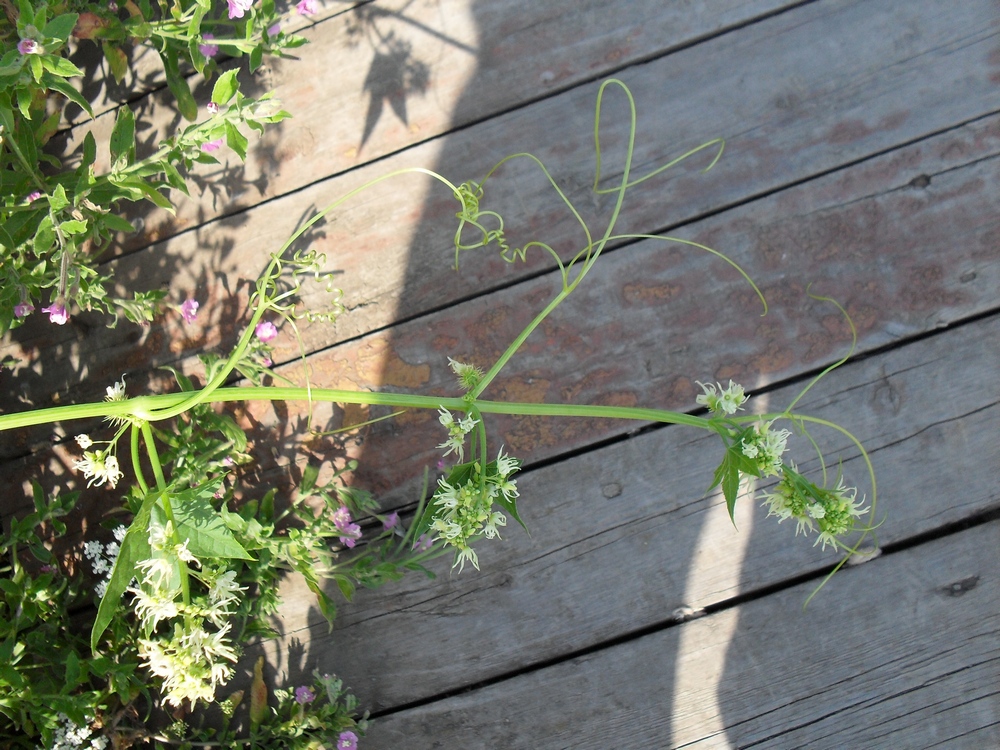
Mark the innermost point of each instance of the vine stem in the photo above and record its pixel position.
(168, 511)
(163, 406)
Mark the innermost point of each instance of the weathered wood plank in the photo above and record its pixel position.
(903, 260)
(770, 146)
(623, 536)
(888, 656)
(872, 238)
(389, 74)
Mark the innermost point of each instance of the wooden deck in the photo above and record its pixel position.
(862, 144)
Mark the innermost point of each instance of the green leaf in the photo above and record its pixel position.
(37, 69)
(73, 227)
(236, 141)
(58, 199)
(63, 87)
(123, 139)
(60, 27)
(345, 585)
(38, 496)
(182, 380)
(256, 57)
(24, 102)
(117, 223)
(89, 149)
(134, 549)
(309, 476)
(728, 474)
(45, 237)
(186, 104)
(117, 61)
(225, 88)
(60, 66)
(228, 427)
(197, 521)
(72, 671)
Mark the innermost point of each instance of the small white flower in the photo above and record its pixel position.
(505, 464)
(722, 401)
(116, 392)
(84, 441)
(99, 467)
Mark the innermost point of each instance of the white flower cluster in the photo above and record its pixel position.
(97, 466)
(457, 430)
(102, 558)
(721, 400)
(833, 511)
(765, 446)
(70, 736)
(192, 658)
(465, 511)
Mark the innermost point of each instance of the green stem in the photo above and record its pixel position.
(165, 405)
(168, 511)
(136, 465)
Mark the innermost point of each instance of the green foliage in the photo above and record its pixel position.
(55, 220)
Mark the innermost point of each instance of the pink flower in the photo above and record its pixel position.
(34, 196)
(213, 108)
(347, 741)
(29, 47)
(274, 30)
(351, 531)
(266, 331)
(424, 543)
(238, 7)
(267, 362)
(341, 517)
(24, 309)
(208, 49)
(307, 7)
(304, 695)
(57, 314)
(189, 310)
(390, 521)
(212, 145)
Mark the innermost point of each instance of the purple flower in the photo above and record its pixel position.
(57, 314)
(347, 741)
(189, 310)
(208, 49)
(266, 331)
(34, 196)
(350, 532)
(390, 521)
(304, 695)
(267, 362)
(213, 145)
(307, 7)
(24, 309)
(113, 6)
(341, 517)
(424, 543)
(29, 47)
(213, 108)
(238, 7)
(274, 30)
